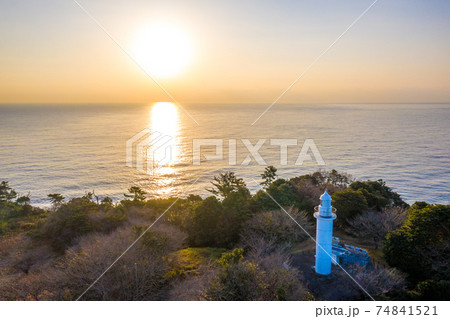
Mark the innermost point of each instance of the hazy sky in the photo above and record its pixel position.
(244, 51)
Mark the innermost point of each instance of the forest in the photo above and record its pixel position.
(232, 245)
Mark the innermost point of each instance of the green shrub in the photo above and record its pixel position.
(377, 194)
(189, 260)
(280, 192)
(232, 257)
(217, 224)
(76, 218)
(420, 246)
(432, 290)
(204, 224)
(349, 204)
(68, 222)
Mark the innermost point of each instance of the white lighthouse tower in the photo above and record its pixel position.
(324, 234)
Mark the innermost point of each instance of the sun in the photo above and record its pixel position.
(162, 50)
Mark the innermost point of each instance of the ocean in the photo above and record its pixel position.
(72, 149)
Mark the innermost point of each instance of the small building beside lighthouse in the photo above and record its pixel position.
(324, 234)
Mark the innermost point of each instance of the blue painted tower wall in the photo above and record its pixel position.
(324, 235)
(323, 245)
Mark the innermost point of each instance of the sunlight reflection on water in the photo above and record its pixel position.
(164, 152)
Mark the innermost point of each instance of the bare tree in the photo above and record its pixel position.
(377, 279)
(44, 285)
(265, 274)
(374, 225)
(140, 274)
(277, 227)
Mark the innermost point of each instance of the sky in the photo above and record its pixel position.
(242, 51)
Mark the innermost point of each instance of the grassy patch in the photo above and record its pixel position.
(189, 260)
(376, 255)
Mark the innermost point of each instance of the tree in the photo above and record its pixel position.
(140, 274)
(56, 199)
(204, 229)
(331, 180)
(23, 200)
(310, 187)
(69, 221)
(226, 184)
(349, 204)
(266, 277)
(107, 201)
(280, 192)
(269, 175)
(375, 279)
(309, 194)
(238, 202)
(217, 224)
(377, 194)
(340, 180)
(6, 193)
(136, 193)
(194, 198)
(375, 225)
(277, 227)
(421, 246)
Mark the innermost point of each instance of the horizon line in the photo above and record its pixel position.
(219, 102)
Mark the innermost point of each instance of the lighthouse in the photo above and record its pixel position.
(325, 215)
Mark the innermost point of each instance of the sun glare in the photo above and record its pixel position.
(164, 123)
(163, 50)
(164, 116)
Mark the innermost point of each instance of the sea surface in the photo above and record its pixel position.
(73, 149)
